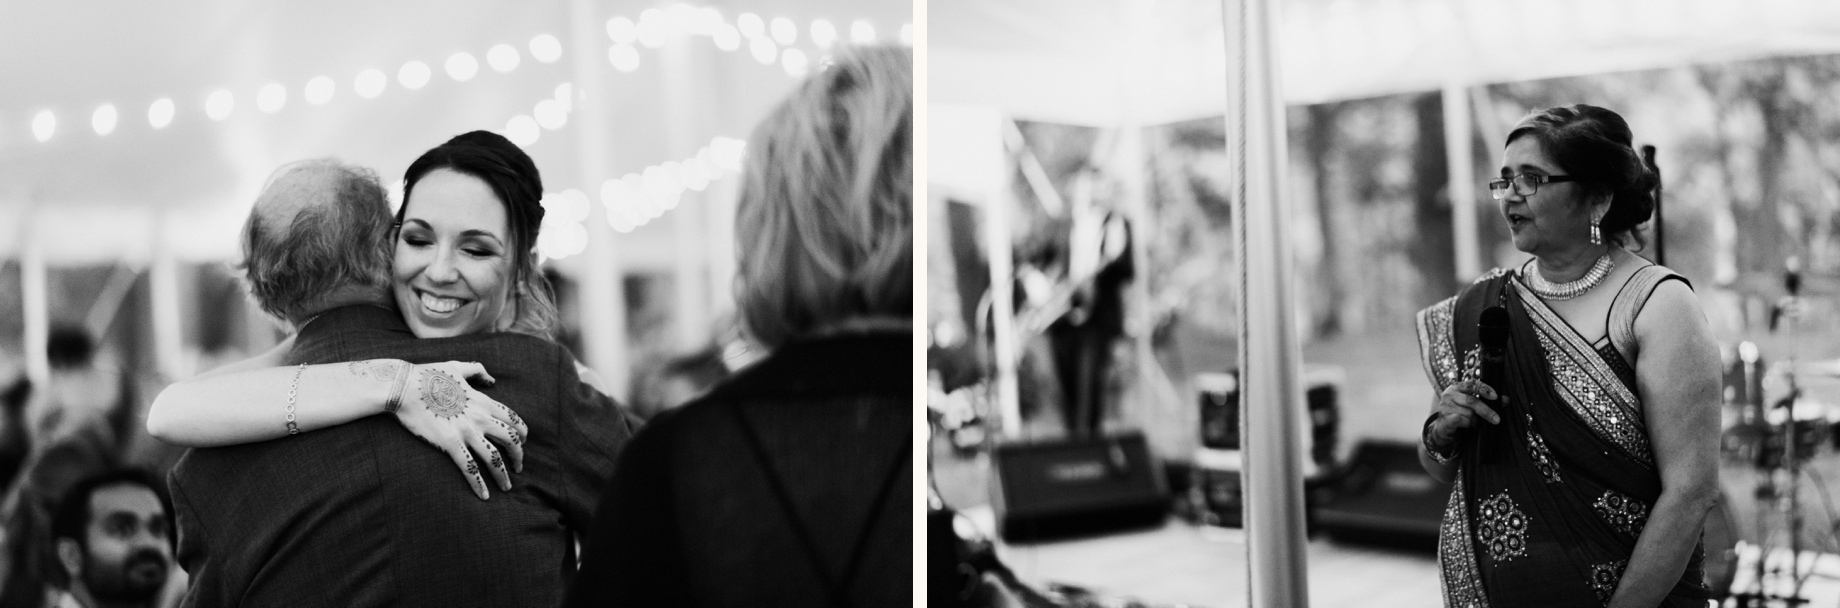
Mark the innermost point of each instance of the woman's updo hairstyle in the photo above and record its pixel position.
(1595, 145)
(513, 176)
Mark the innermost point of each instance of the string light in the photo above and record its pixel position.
(622, 30)
(766, 44)
(625, 57)
(750, 25)
(616, 198)
(414, 75)
(764, 50)
(160, 113)
(320, 89)
(795, 62)
(44, 125)
(653, 28)
(370, 83)
(103, 120)
(220, 104)
(784, 31)
(462, 66)
(565, 94)
(503, 58)
(823, 33)
(632, 200)
(550, 115)
(523, 130)
(727, 37)
(271, 98)
(545, 48)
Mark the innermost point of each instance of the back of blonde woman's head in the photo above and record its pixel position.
(824, 225)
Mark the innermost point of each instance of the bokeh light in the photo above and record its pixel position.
(624, 57)
(414, 75)
(160, 113)
(319, 90)
(271, 98)
(545, 48)
(370, 83)
(503, 58)
(220, 104)
(462, 66)
(103, 119)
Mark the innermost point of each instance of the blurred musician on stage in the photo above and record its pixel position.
(1099, 267)
(1588, 481)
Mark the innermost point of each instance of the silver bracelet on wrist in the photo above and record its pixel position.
(1444, 455)
(402, 380)
(293, 389)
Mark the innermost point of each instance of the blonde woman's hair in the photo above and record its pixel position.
(824, 224)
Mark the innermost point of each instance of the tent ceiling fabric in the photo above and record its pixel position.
(71, 56)
(1104, 62)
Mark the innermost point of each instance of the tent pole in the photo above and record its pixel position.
(1002, 296)
(1270, 359)
(1460, 161)
(163, 293)
(603, 293)
(683, 67)
(34, 291)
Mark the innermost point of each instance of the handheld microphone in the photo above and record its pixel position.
(1493, 331)
(1793, 279)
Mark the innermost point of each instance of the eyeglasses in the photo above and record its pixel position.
(1524, 184)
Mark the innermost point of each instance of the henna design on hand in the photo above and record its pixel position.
(516, 439)
(443, 395)
(472, 469)
(382, 370)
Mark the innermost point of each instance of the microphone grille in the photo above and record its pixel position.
(1494, 327)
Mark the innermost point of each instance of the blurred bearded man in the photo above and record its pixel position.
(113, 538)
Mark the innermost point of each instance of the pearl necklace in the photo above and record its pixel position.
(1572, 289)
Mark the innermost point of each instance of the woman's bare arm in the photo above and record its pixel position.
(247, 403)
(1677, 377)
(273, 357)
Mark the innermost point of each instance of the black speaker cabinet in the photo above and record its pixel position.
(1072, 487)
(1385, 496)
(1220, 416)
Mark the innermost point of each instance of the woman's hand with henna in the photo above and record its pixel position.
(1459, 407)
(439, 406)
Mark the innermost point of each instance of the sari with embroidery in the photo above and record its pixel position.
(1547, 505)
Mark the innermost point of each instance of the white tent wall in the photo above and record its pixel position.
(140, 195)
(1083, 62)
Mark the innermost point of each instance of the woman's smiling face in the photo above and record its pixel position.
(452, 271)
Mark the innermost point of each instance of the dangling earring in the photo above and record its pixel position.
(1596, 238)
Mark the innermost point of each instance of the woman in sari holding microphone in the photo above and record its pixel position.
(1584, 476)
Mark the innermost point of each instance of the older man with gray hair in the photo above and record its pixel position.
(361, 513)
(318, 238)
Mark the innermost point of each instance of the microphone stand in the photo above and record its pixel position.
(1767, 486)
(1648, 158)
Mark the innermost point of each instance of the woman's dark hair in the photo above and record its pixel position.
(1595, 145)
(513, 177)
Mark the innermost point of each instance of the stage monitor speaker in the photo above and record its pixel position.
(1220, 416)
(1385, 496)
(1079, 486)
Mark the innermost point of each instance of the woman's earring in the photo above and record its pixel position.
(1596, 238)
